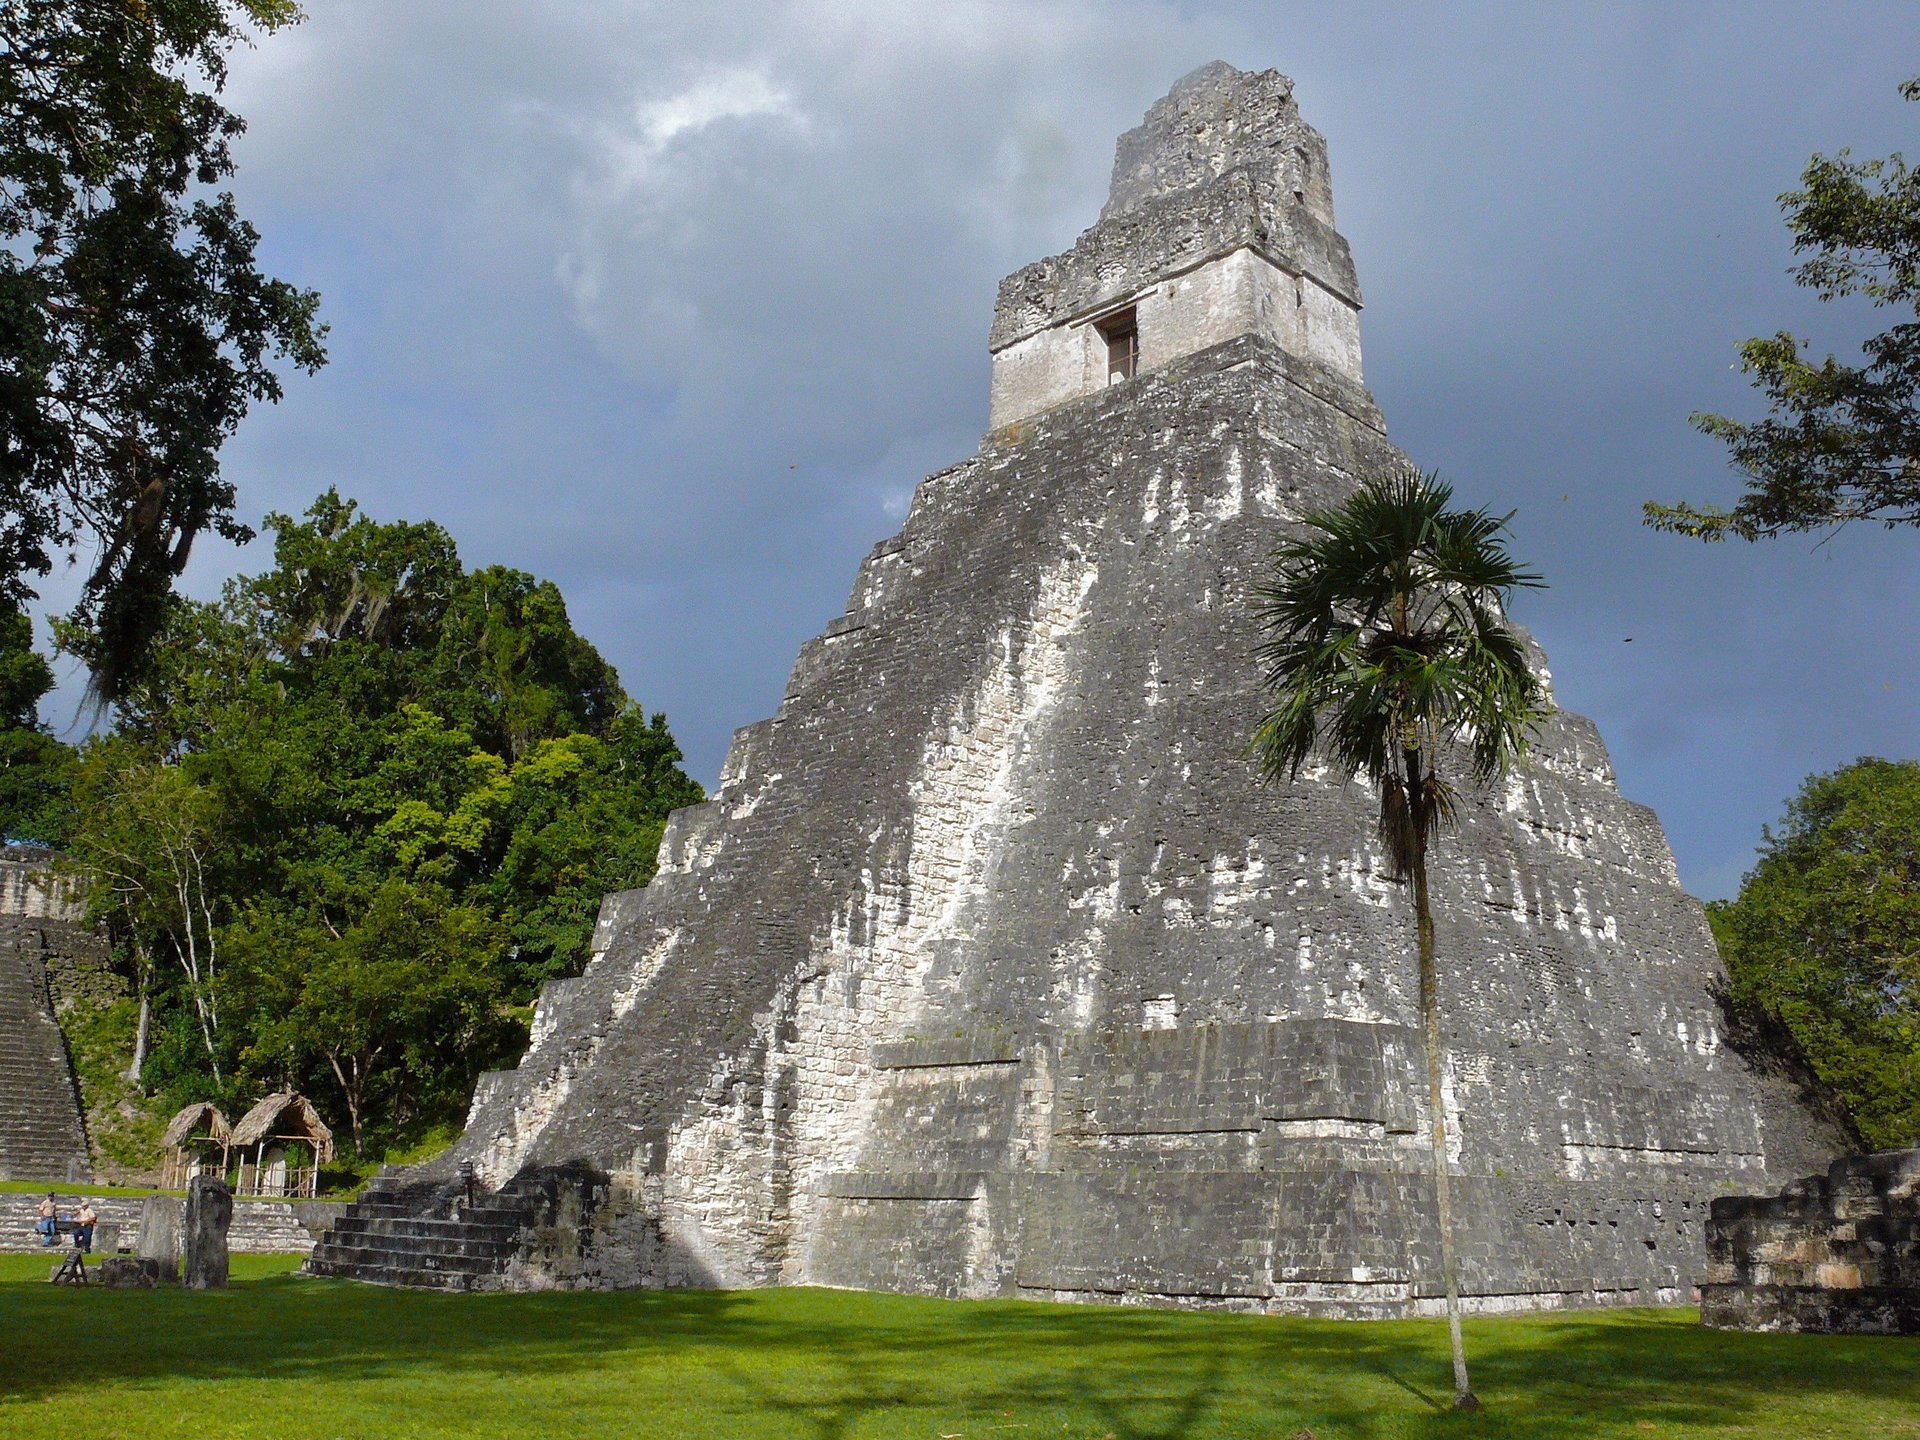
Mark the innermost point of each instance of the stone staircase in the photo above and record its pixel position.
(42, 1134)
(428, 1236)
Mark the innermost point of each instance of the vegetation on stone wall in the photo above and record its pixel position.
(349, 819)
(1824, 940)
(123, 1121)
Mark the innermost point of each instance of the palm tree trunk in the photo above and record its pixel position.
(1463, 1396)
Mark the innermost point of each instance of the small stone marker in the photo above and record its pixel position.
(106, 1238)
(203, 1234)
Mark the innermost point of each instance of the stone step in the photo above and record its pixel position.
(408, 1259)
(402, 1278)
(400, 1233)
(42, 1132)
(479, 1215)
(348, 1236)
(405, 1226)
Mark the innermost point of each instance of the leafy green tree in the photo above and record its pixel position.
(370, 963)
(1387, 654)
(135, 328)
(1824, 940)
(584, 818)
(395, 995)
(366, 733)
(382, 614)
(514, 668)
(339, 576)
(147, 839)
(35, 768)
(1841, 442)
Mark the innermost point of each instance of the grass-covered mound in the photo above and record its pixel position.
(282, 1357)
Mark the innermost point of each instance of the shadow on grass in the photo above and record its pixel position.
(830, 1364)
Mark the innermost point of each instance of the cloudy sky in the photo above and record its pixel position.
(674, 303)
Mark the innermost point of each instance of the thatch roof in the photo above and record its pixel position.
(181, 1128)
(283, 1115)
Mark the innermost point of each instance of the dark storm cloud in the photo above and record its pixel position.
(675, 303)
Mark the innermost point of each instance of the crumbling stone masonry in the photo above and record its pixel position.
(991, 970)
(1837, 1252)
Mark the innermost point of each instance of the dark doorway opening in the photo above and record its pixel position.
(1121, 331)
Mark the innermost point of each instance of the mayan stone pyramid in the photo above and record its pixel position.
(991, 970)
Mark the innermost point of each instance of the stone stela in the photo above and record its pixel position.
(991, 970)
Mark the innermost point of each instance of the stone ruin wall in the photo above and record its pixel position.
(990, 970)
(45, 912)
(1836, 1252)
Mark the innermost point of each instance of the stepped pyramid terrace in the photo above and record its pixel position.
(991, 970)
(46, 949)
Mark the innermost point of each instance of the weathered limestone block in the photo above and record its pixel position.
(203, 1237)
(1839, 1251)
(991, 969)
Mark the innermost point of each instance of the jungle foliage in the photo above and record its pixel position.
(353, 814)
(35, 768)
(1824, 940)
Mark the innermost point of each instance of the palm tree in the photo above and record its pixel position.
(1386, 651)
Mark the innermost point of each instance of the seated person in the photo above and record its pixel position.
(47, 1226)
(84, 1219)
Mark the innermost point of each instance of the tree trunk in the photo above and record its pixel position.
(1463, 1396)
(143, 1027)
(350, 1092)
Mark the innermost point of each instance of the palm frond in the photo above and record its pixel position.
(1385, 644)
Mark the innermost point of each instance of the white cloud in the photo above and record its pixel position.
(736, 93)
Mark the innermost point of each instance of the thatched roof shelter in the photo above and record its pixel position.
(186, 1125)
(195, 1140)
(284, 1116)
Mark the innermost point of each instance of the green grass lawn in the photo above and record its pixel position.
(66, 1191)
(290, 1358)
(62, 1187)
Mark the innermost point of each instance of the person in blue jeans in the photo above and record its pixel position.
(48, 1225)
(84, 1219)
